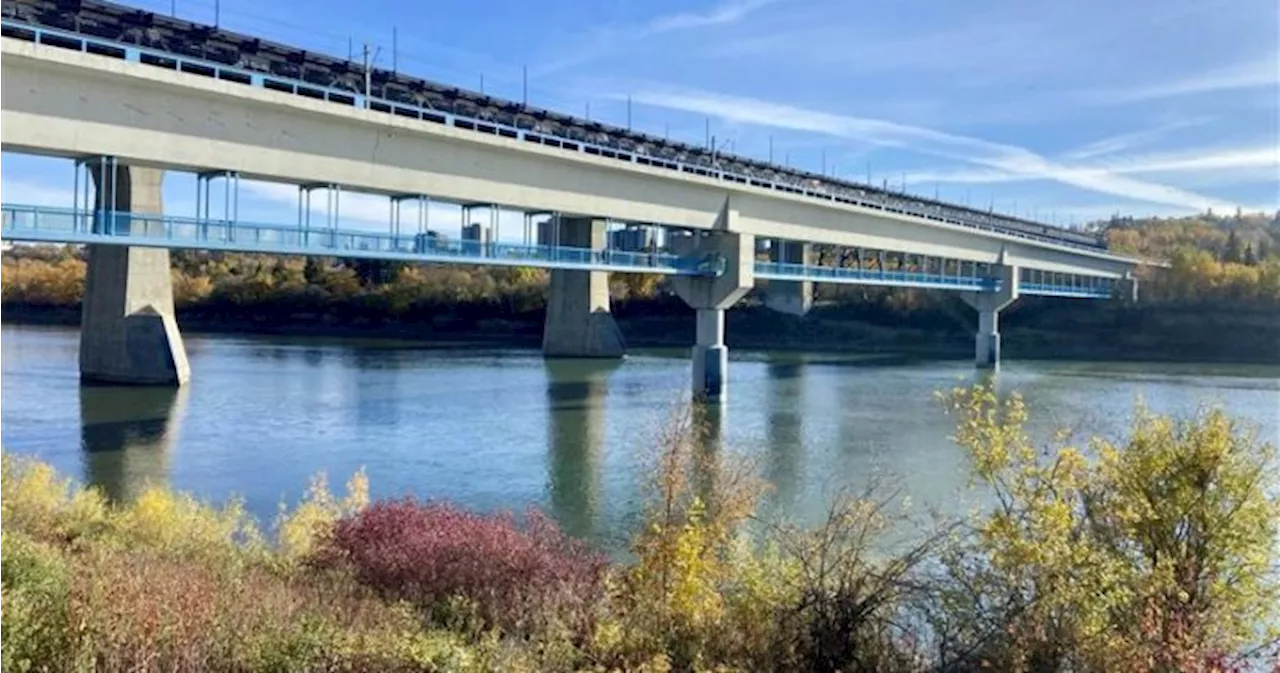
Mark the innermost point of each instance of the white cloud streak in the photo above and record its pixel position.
(1251, 162)
(1259, 74)
(606, 39)
(998, 157)
(1124, 141)
(721, 14)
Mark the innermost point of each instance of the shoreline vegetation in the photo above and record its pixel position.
(1157, 551)
(1219, 301)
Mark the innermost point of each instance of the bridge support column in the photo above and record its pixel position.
(709, 296)
(1127, 288)
(791, 297)
(578, 322)
(989, 303)
(128, 333)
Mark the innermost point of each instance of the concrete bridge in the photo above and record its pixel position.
(126, 113)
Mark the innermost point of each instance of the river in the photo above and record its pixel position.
(502, 429)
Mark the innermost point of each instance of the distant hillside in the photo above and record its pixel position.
(1220, 260)
(1239, 238)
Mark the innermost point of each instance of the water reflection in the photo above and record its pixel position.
(576, 392)
(785, 441)
(127, 435)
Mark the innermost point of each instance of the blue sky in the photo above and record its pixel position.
(1063, 111)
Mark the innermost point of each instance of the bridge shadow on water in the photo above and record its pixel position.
(576, 394)
(127, 435)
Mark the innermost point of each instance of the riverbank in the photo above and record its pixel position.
(1038, 329)
(163, 582)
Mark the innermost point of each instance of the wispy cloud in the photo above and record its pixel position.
(1251, 161)
(1125, 141)
(1002, 158)
(610, 38)
(1255, 74)
(723, 13)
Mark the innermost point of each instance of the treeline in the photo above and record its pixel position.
(1229, 262)
(1153, 553)
(1233, 260)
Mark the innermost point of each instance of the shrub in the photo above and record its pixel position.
(1157, 553)
(298, 532)
(34, 500)
(34, 589)
(520, 578)
(672, 601)
(166, 522)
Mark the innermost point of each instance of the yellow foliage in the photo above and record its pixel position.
(177, 524)
(34, 499)
(1158, 549)
(298, 531)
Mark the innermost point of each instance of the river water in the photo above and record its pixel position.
(502, 429)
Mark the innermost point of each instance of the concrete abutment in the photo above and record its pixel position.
(790, 297)
(578, 321)
(128, 332)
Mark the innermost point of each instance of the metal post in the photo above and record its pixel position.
(395, 51)
(524, 85)
(75, 196)
(368, 77)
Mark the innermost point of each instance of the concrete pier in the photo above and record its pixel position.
(578, 322)
(709, 296)
(128, 333)
(790, 297)
(986, 352)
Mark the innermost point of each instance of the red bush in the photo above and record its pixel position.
(519, 577)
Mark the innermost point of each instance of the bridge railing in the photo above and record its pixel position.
(1047, 284)
(68, 225)
(812, 272)
(868, 198)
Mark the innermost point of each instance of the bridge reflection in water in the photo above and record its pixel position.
(127, 435)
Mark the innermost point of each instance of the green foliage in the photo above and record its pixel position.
(33, 607)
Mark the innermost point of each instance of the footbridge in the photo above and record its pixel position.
(220, 105)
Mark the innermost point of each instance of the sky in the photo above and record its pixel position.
(1063, 112)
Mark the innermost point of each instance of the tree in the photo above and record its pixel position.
(374, 271)
(313, 271)
(1233, 251)
(1250, 257)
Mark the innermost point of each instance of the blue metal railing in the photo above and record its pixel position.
(223, 72)
(77, 226)
(68, 225)
(834, 274)
(1100, 290)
